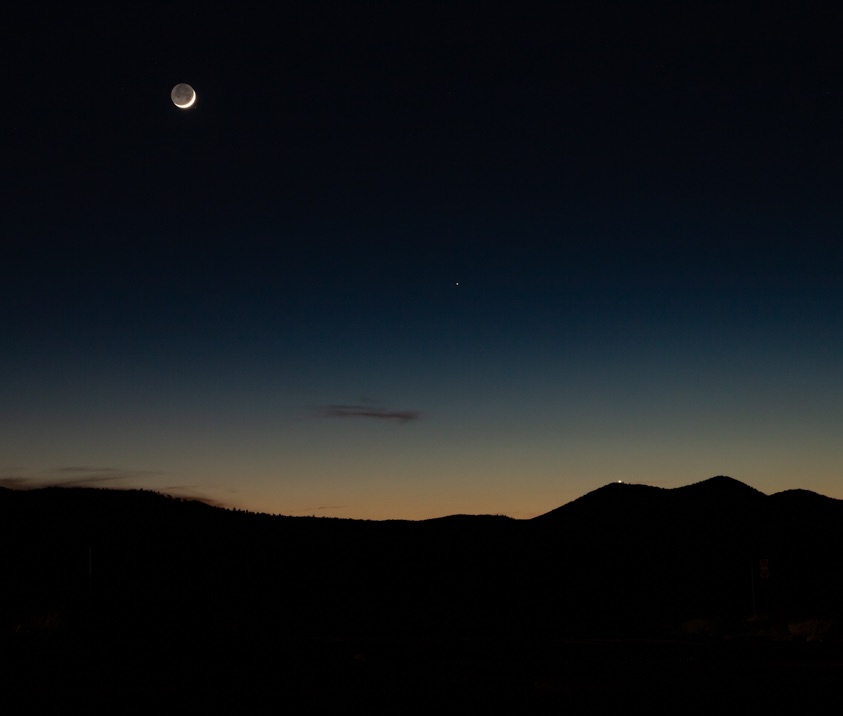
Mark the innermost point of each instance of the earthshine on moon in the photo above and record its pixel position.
(183, 96)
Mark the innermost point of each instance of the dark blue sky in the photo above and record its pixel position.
(416, 261)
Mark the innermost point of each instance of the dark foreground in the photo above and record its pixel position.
(226, 672)
(708, 597)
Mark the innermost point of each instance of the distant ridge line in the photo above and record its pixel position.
(617, 495)
(629, 495)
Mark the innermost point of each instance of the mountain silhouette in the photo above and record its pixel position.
(94, 571)
(618, 498)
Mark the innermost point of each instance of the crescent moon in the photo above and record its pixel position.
(183, 96)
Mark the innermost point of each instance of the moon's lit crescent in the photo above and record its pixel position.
(183, 95)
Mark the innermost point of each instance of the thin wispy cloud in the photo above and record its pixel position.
(369, 411)
(75, 476)
(84, 476)
(89, 476)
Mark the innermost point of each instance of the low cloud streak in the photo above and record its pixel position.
(368, 411)
(74, 476)
(100, 477)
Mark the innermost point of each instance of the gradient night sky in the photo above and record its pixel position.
(402, 264)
